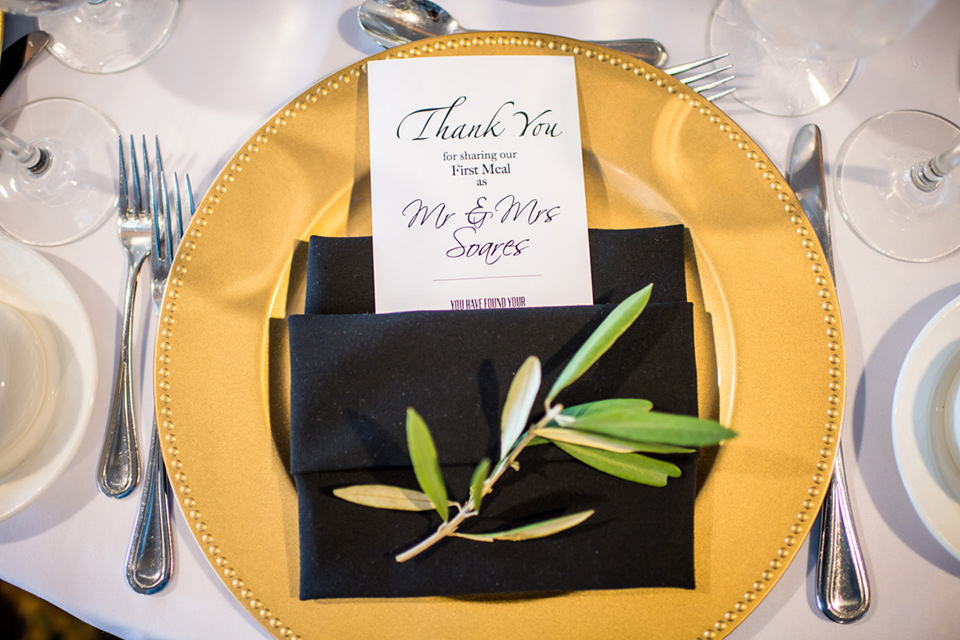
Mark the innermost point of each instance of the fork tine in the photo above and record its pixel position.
(190, 203)
(164, 200)
(705, 74)
(714, 85)
(177, 202)
(683, 68)
(135, 177)
(124, 200)
(156, 141)
(164, 206)
(164, 196)
(155, 252)
(147, 173)
(721, 94)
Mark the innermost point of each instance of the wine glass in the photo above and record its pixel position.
(101, 36)
(893, 187)
(794, 57)
(56, 175)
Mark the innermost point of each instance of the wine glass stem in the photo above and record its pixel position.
(926, 176)
(34, 159)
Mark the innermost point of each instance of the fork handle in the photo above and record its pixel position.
(150, 557)
(119, 468)
(650, 51)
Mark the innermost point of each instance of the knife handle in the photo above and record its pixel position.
(843, 593)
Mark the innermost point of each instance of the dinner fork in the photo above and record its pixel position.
(150, 556)
(678, 70)
(119, 467)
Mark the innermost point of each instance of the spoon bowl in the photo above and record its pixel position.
(394, 22)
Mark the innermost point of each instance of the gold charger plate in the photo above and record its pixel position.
(769, 349)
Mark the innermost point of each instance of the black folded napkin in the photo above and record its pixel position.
(340, 270)
(353, 373)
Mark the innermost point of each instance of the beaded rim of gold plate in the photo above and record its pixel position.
(806, 243)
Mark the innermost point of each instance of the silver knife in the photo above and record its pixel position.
(843, 593)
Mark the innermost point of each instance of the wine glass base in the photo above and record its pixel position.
(877, 197)
(770, 79)
(78, 192)
(112, 36)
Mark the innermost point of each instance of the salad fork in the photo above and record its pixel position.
(119, 466)
(678, 70)
(150, 556)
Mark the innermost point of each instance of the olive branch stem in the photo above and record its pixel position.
(471, 507)
(611, 436)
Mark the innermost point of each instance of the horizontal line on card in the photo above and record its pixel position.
(532, 275)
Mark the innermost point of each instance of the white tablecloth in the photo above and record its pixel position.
(231, 63)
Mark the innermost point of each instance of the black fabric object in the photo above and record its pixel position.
(340, 270)
(353, 373)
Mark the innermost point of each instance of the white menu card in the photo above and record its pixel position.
(477, 184)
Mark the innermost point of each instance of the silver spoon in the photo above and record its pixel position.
(394, 22)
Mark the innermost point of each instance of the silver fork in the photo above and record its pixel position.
(680, 69)
(150, 556)
(119, 468)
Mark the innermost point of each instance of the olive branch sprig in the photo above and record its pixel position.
(611, 436)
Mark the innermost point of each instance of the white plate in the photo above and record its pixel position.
(33, 286)
(920, 435)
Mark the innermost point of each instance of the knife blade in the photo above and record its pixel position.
(19, 55)
(843, 591)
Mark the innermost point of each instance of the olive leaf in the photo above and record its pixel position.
(600, 340)
(531, 531)
(605, 443)
(384, 496)
(592, 440)
(520, 398)
(653, 427)
(633, 404)
(426, 466)
(476, 482)
(634, 467)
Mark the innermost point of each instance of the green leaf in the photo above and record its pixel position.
(634, 467)
(476, 482)
(654, 427)
(531, 531)
(520, 399)
(633, 404)
(384, 496)
(600, 340)
(592, 440)
(605, 443)
(656, 447)
(426, 466)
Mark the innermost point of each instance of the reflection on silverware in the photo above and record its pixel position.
(843, 592)
(393, 22)
(150, 557)
(119, 469)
